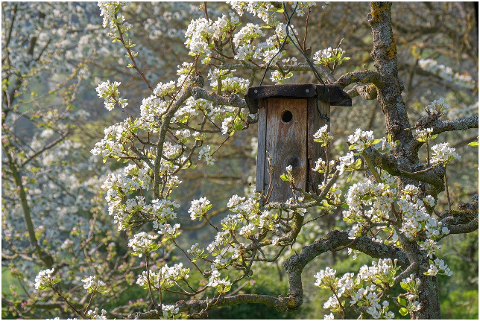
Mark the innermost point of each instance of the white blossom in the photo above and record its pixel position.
(44, 279)
(443, 153)
(142, 243)
(199, 208)
(92, 284)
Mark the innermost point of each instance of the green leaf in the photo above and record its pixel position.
(358, 163)
(349, 178)
(403, 311)
(402, 301)
(376, 141)
(280, 10)
(284, 178)
(404, 286)
(474, 144)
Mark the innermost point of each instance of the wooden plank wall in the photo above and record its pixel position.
(286, 143)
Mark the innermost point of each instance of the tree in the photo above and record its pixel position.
(51, 202)
(390, 211)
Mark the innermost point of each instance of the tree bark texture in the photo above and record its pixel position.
(389, 96)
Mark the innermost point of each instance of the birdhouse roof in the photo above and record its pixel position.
(327, 93)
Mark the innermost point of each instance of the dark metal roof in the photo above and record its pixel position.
(327, 93)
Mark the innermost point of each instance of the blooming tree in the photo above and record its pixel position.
(389, 212)
(51, 200)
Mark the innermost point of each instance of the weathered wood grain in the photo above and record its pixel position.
(261, 159)
(286, 143)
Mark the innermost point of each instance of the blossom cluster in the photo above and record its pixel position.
(205, 154)
(262, 10)
(199, 208)
(443, 154)
(109, 91)
(409, 302)
(165, 278)
(143, 243)
(112, 18)
(438, 107)
(92, 284)
(329, 56)
(323, 136)
(45, 279)
(94, 315)
(321, 166)
(349, 286)
(415, 218)
(438, 267)
(348, 163)
(424, 135)
(201, 32)
(361, 140)
(221, 285)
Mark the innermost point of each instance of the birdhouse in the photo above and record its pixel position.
(288, 116)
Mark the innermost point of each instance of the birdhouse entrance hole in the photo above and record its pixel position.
(288, 116)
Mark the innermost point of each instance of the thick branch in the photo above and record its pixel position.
(231, 100)
(363, 76)
(390, 164)
(294, 267)
(384, 54)
(334, 240)
(163, 132)
(367, 92)
(44, 256)
(201, 306)
(464, 219)
(441, 126)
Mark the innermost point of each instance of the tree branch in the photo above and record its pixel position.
(231, 100)
(46, 147)
(367, 92)
(363, 76)
(463, 220)
(393, 167)
(441, 126)
(294, 267)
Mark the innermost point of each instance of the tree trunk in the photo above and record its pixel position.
(384, 54)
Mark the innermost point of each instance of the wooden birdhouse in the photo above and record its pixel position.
(288, 116)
